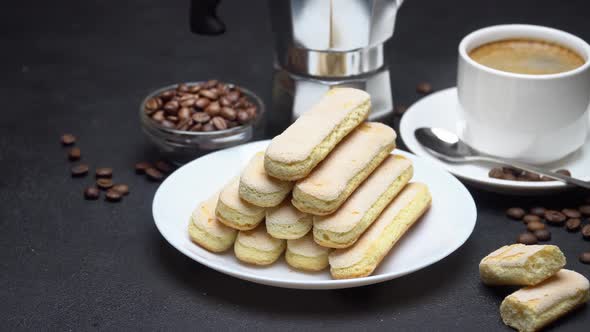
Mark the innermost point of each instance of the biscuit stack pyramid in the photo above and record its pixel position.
(328, 190)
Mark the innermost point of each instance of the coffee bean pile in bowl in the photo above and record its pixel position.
(189, 119)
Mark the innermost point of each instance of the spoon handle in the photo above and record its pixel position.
(538, 170)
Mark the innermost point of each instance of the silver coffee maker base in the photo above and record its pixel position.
(297, 94)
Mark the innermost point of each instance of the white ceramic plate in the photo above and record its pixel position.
(440, 110)
(442, 230)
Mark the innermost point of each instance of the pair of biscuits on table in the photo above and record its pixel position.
(549, 293)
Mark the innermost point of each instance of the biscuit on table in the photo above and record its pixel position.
(361, 259)
(258, 188)
(342, 228)
(521, 265)
(235, 212)
(286, 222)
(349, 164)
(305, 254)
(530, 308)
(257, 247)
(294, 153)
(205, 230)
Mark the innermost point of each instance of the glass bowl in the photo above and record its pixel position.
(181, 146)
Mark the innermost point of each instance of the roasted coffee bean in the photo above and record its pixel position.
(164, 166)
(509, 177)
(586, 232)
(104, 172)
(208, 127)
(121, 188)
(184, 124)
(68, 139)
(113, 195)
(225, 102)
(190, 102)
(152, 104)
(219, 123)
(242, 117)
(512, 170)
(573, 224)
(184, 113)
(231, 124)
(201, 117)
(542, 234)
(564, 172)
(535, 226)
(555, 217)
(153, 174)
(585, 257)
(79, 170)
(496, 173)
(515, 213)
(571, 213)
(585, 210)
(210, 84)
(233, 96)
(167, 124)
(141, 166)
(202, 103)
(424, 88)
(528, 176)
(538, 211)
(209, 94)
(74, 154)
(194, 88)
(527, 238)
(91, 193)
(251, 112)
(171, 107)
(104, 183)
(182, 87)
(228, 113)
(167, 95)
(213, 109)
(172, 118)
(531, 217)
(158, 116)
(196, 127)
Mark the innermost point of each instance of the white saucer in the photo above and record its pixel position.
(443, 229)
(440, 110)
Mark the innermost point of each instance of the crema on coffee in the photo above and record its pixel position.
(527, 56)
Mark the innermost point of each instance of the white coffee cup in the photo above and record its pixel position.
(531, 118)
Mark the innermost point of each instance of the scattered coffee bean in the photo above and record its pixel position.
(79, 170)
(424, 88)
(164, 166)
(555, 217)
(68, 139)
(154, 175)
(584, 210)
(527, 238)
(113, 195)
(515, 213)
(543, 235)
(91, 193)
(141, 166)
(586, 232)
(74, 154)
(585, 257)
(496, 173)
(573, 224)
(535, 226)
(530, 218)
(104, 172)
(104, 183)
(121, 188)
(571, 213)
(538, 211)
(219, 123)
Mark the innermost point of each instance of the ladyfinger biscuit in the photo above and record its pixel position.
(519, 264)
(366, 254)
(305, 254)
(286, 222)
(530, 308)
(351, 162)
(258, 188)
(205, 230)
(294, 153)
(257, 247)
(236, 212)
(342, 228)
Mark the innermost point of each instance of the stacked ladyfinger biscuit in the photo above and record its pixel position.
(549, 290)
(327, 191)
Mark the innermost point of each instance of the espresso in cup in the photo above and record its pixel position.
(527, 56)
